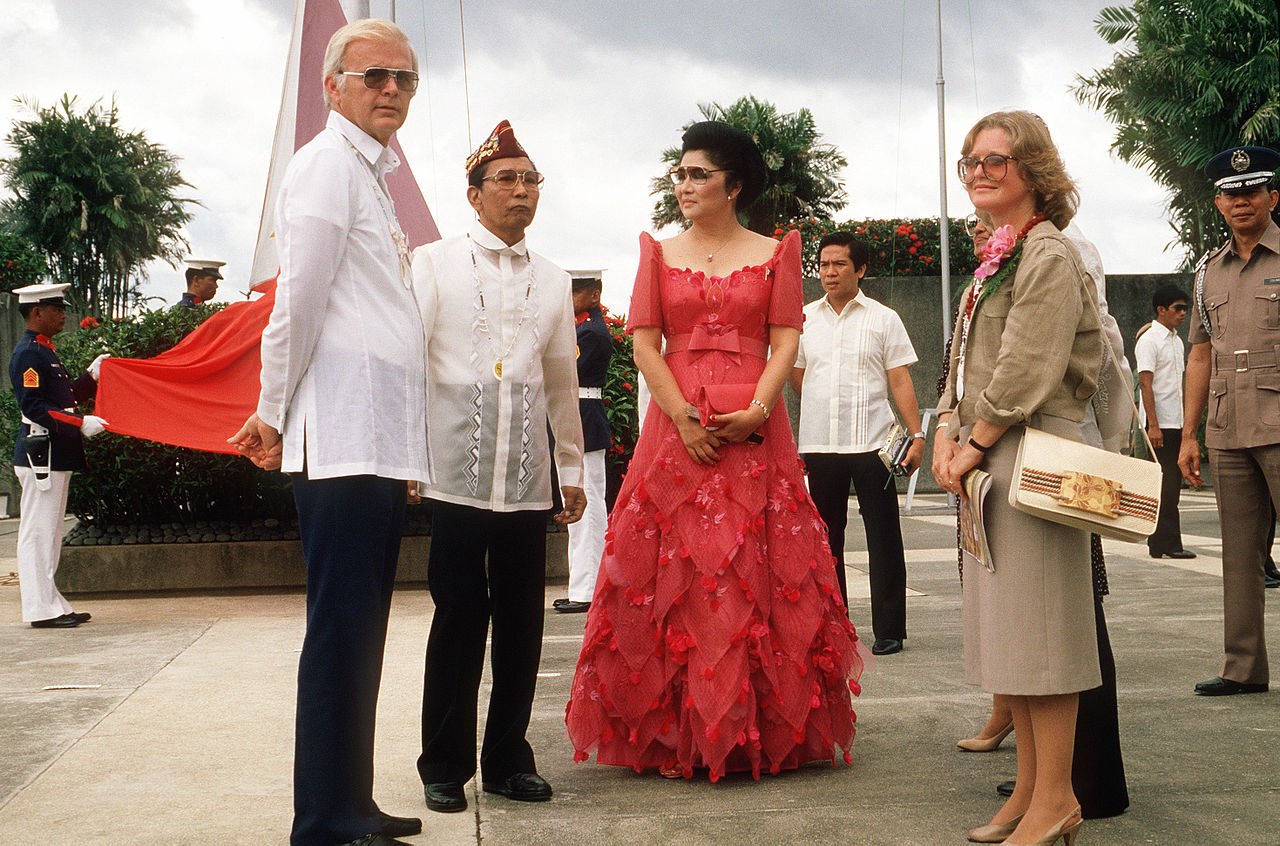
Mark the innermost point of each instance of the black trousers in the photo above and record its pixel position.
(466, 596)
(1168, 534)
(1097, 768)
(351, 529)
(830, 475)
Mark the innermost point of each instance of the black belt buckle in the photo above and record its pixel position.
(1242, 360)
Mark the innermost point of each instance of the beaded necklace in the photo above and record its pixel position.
(483, 318)
(388, 216)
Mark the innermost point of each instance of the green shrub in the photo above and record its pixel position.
(908, 247)
(621, 397)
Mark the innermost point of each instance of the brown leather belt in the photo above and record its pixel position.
(1243, 360)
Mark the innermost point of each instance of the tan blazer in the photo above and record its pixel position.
(1035, 345)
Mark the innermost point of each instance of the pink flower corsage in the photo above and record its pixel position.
(995, 251)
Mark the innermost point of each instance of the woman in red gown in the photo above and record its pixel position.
(716, 638)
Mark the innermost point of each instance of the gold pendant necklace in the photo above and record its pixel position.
(484, 315)
(711, 255)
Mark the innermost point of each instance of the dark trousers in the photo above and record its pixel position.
(830, 475)
(466, 596)
(351, 529)
(1097, 768)
(1168, 534)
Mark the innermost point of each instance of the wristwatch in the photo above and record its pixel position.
(917, 436)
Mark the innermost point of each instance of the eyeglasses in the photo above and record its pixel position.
(376, 78)
(995, 166)
(506, 179)
(971, 224)
(1179, 307)
(699, 175)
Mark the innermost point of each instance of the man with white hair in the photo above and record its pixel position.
(342, 410)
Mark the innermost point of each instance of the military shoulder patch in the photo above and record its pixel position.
(30, 378)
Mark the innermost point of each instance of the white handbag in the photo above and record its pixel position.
(1078, 485)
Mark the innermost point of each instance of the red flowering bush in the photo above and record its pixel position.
(89, 323)
(898, 247)
(620, 396)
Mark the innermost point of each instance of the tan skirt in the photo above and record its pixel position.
(1029, 626)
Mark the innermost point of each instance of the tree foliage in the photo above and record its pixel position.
(1191, 78)
(803, 172)
(20, 263)
(96, 201)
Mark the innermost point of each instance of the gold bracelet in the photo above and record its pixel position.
(762, 407)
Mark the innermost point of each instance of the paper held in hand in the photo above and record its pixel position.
(975, 485)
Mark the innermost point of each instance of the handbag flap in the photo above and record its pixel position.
(722, 399)
(1076, 484)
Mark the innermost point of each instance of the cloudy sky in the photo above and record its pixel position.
(595, 91)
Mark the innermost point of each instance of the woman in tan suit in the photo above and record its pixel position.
(1027, 353)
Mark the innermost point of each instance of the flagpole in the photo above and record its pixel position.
(944, 229)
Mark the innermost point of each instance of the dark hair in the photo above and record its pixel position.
(1167, 295)
(25, 309)
(587, 283)
(194, 273)
(859, 252)
(733, 150)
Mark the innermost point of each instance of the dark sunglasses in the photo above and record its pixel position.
(376, 78)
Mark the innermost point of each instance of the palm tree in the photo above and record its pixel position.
(96, 201)
(1192, 78)
(803, 171)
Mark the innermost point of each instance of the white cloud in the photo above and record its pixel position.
(596, 91)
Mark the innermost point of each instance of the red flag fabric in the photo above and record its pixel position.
(200, 392)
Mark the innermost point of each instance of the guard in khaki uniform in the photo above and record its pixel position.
(1235, 353)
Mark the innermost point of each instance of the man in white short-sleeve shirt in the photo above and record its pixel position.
(1161, 360)
(855, 354)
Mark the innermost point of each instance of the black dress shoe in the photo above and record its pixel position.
(1005, 788)
(569, 606)
(886, 646)
(66, 621)
(1177, 553)
(82, 616)
(522, 787)
(393, 826)
(1270, 580)
(446, 797)
(375, 839)
(1226, 687)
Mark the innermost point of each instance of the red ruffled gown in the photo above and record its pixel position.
(716, 637)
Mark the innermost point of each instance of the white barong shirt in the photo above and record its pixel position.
(487, 437)
(343, 352)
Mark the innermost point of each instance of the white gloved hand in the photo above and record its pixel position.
(92, 426)
(95, 366)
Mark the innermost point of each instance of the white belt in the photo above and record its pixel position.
(590, 393)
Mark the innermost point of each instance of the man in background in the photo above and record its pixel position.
(1161, 362)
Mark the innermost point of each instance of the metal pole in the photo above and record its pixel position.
(393, 11)
(944, 229)
(361, 9)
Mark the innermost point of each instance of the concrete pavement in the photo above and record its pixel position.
(170, 720)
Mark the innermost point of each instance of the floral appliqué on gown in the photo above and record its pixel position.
(716, 637)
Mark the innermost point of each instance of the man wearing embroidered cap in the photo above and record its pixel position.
(500, 366)
(341, 410)
(1234, 368)
(49, 449)
(203, 276)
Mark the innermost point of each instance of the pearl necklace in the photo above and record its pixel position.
(484, 318)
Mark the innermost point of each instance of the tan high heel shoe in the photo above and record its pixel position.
(993, 832)
(985, 744)
(1065, 829)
